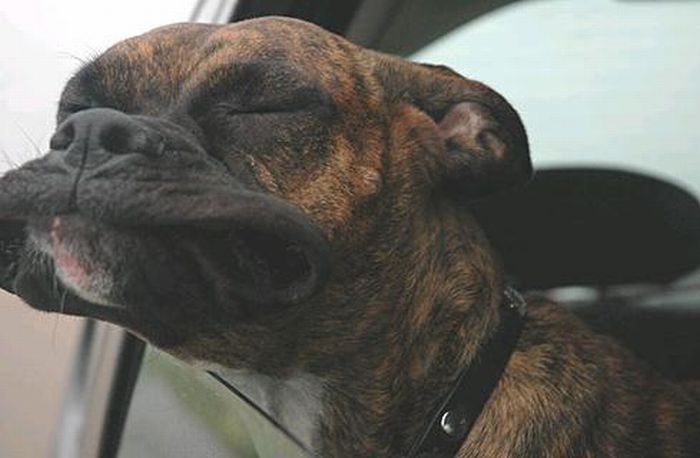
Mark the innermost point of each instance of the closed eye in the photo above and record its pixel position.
(230, 109)
(237, 102)
(288, 102)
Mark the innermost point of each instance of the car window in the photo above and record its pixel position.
(612, 84)
(181, 412)
(600, 82)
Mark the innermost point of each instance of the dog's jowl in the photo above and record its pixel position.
(271, 200)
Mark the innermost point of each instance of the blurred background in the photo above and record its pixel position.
(597, 82)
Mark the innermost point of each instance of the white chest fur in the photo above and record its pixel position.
(294, 402)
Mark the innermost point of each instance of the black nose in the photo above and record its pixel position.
(91, 137)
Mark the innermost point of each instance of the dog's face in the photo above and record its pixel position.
(231, 179)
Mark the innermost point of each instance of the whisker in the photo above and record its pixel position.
(62, 305)
(9, 162)
(27, 137)
(53, 331)
(92, 54)
(81, 60)
(54, 285)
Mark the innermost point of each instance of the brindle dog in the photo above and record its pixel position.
(269, 198)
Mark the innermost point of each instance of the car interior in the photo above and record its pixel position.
(623, 236)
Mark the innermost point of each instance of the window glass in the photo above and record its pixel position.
(601, 82)
(181, 412)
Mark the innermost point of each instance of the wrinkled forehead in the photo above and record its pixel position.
(160, 66)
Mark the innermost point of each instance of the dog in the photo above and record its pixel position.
(271, 200)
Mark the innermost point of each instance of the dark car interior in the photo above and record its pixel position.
(607, 229)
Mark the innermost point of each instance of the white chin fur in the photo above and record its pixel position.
(97, 291)
(99, 287)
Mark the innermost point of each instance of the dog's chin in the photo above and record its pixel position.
(75, 248)
(180, 272)
(75, 266)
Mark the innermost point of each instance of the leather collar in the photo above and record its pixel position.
(451, 423)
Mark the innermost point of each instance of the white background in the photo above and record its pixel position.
(42, 42)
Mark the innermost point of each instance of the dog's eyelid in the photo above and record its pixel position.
(277, 106)
(233, 108)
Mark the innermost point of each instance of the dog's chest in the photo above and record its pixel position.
(294, 402)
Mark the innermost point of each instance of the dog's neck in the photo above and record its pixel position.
(420, 329)
(400, 334)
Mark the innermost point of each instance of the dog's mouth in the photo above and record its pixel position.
(115, 244)
(86, 254)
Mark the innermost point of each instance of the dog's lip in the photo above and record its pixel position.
(56, 237)
(38, 283)
(27, 193)
(31, 192)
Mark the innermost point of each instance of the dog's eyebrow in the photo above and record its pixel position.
(257, 83)
(254, 85)
(81, 91)
(99, 84)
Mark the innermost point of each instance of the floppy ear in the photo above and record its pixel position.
(484, 144)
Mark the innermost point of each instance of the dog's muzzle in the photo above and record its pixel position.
(125, 173)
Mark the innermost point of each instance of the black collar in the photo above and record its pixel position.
(452, 422)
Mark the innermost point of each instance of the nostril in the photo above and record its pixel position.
(63, 137)
(117, 138)
(120, 138)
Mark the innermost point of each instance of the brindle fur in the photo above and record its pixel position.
(415, 288)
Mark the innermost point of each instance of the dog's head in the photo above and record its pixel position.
(217, 179)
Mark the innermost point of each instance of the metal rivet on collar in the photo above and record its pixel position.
(452, 425)
(515, 301)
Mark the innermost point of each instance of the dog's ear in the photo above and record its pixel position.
(484, 146)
